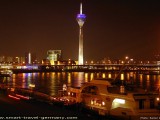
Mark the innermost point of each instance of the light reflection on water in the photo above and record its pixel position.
(51, 82)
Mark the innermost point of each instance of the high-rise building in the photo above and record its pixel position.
(22, 60)
(53, 56)
(2, 59)
(28, 58)
(9, 59)
(81, 19)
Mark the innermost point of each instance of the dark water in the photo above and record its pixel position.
(51, 82)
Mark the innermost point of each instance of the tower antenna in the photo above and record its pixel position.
(81, 8)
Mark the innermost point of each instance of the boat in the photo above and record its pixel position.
(106, 99)
(6, 73)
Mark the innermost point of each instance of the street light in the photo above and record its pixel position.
(126, 57)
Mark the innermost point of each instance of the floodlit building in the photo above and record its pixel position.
(19, 60)
(54, 56)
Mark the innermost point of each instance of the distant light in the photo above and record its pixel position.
(12, 89)
(127, 57)
(24, 67)
(11, 96)
(92, 62)
(131, 59)
(21, 96)
(103, 103)
(92, 102)
(64, 87)
(32, 85)
(158, 99)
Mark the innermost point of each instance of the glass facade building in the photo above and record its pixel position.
(54, 55)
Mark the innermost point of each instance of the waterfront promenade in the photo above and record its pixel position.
(88, 68)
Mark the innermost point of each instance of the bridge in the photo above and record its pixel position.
(89, 68)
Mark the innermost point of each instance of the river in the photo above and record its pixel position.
(51, 82)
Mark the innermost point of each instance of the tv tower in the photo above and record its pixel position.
(80, 19)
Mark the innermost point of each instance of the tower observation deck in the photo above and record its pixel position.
(81, 19)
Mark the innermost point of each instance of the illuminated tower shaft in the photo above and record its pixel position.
(80, 19)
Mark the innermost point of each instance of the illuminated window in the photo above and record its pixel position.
(121, 101)
(90, 90)
(117, 102)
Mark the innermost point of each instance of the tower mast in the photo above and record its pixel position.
(81, 8)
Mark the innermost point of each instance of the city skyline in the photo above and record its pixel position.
(112, 29)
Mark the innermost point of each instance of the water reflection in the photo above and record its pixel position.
(157, 83)
(78, 79)
(141, 79)
(91, 76)
(109, 75)
(86, 77)
(147, 82)
(69, 77)
(51, 82)
(122, 76)
(103, 75)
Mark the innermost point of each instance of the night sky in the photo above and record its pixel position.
(113, 28)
